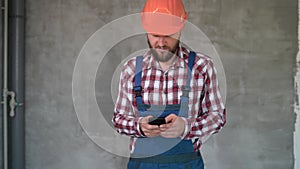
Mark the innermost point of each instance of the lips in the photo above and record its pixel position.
(161, 50)
(158, 50)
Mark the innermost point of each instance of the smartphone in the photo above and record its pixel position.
(157, 121)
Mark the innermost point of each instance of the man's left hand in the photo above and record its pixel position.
(174, 127)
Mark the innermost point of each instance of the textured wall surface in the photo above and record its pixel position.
(1, 86)
(296, 105)
(257, 42)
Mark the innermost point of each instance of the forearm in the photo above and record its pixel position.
(211, 116)
(126, 124)
(205, 125)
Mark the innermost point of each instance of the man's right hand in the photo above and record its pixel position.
(149, 130)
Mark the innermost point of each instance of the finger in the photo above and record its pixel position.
(145, 120)
(152, 133)
(171, 118)
(165, 126)
(145, 127)
(152, 127)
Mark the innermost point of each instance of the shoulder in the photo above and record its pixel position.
(203, 59)
(200, 57)
(202, 62)
(129, 66)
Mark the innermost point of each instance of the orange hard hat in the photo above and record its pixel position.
(163, 17)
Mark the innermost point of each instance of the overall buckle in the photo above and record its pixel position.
(138, 91)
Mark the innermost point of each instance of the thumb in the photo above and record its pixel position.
(171, 118)
(146, 119)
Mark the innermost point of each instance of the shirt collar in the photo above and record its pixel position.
(180, 62)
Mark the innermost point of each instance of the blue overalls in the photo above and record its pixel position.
(159, 152)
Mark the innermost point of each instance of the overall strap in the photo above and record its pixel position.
(191, 61)
(138, 79)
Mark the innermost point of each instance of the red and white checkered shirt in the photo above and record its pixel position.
(206, 113)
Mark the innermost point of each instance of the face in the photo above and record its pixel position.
(163, 47)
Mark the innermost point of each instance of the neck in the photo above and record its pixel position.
(166, 65)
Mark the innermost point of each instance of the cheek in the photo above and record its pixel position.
(152, 43)
(173, 42)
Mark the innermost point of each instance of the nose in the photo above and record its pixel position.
(161, 41)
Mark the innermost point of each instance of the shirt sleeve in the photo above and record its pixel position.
(213, 115)
(124, 120)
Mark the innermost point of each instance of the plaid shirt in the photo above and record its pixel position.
(206, 109)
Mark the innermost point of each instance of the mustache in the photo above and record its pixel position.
(162, 47)
(157, 47)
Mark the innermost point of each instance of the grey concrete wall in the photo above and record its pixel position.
(257, 42)
(297, 106)
(256, 39)
(1, 86)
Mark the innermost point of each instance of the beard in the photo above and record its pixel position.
(166, 52)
